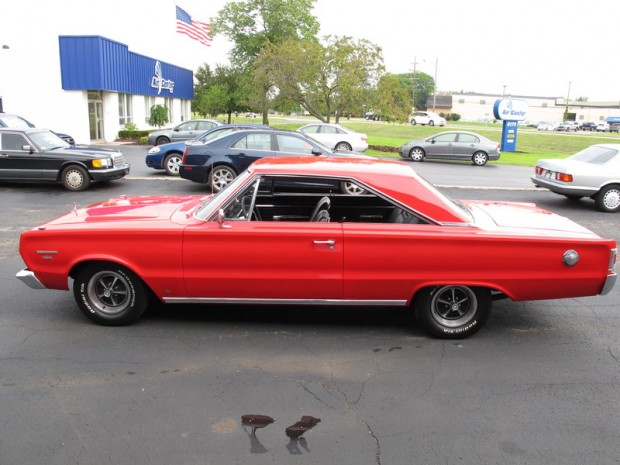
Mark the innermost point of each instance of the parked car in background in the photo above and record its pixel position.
(335, 136)
(17, 122)
(218, 162)
(168, 156)
(588, 126)
(372, 116)
(602, 127)
(283, 233)
(593, 172)
(39, 155)
(427, 117)
(184, 131)
(568, 126)
(452, 145)
(547, 126)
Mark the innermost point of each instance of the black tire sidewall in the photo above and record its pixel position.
(85, 176)
(139, 297)
(423, 315)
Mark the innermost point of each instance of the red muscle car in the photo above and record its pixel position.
(287, 232)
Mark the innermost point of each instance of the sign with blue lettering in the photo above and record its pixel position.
(510, 111)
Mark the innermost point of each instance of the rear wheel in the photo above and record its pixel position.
(162, 140)
(171, 164)
(413, 122)
(343, 146)
(480, 158)
(452, 312)
(351, 188)
(75, 178)
(110, 294)
(220, 177)
(431, 123)
(608, 199)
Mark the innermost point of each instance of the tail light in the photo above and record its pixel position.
(183, 159)
(538, 170)
(564, 177)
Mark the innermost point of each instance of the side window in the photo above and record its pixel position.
(310, 129)
(205, 125)
(329, 130)
(189, 126)
(254, 142)
(290, 144)
(450, 137)
(469, 138)
(13, 142)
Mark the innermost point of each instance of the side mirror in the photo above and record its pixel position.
(27, 148)
(220, 219)
(316, 152)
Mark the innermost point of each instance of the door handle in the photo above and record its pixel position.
(329, 242)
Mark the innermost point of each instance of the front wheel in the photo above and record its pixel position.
(75, 178)
(417, 154)
(452, 312)
(608, 199)
(110, 294)
(171, 164)
(431, 123)
(161, 140)
(480, 158)
(220, 177)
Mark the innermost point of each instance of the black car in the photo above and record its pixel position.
(218, 162)
(168, 156)
(39, 155)
(588, 126)
(17, 122)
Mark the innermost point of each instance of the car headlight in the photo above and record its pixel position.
(102, 163)
(154, 150)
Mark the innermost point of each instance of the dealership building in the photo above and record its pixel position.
(91, 86)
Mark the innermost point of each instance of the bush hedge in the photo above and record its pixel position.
(126, 134)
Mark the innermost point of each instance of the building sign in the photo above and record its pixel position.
(510, 110)
(158, 82)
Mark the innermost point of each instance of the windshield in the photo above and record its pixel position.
(206, 209)
(596, 155)
(15, 122)
(47, 140)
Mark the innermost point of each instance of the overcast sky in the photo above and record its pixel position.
(532, 47)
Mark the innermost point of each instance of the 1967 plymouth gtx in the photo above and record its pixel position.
(287, 232)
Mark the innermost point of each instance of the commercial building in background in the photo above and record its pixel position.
(473, 106)
(91, 87)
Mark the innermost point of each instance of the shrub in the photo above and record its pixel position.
(159, 116)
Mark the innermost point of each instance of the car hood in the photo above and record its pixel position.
(129, 210)
(522, 217)
(86, 151)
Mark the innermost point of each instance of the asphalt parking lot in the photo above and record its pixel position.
(537, 385)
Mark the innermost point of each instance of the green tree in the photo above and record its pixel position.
(393, 99)
(419, 87)
(253, 24)
(159, 116)
(224, 90)
(326, 80)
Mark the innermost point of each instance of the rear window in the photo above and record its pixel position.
(595, 155)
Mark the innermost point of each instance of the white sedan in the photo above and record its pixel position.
(336, 136)
(427, 117)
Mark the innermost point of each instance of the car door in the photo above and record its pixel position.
(330, 136)
(15, 162)
(465, 146)
(441, 146)
(249, 148)
(254, 260)
(185, 131)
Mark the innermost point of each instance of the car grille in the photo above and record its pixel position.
(118, 158)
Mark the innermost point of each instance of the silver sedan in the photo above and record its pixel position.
(453, 145)
(594, 172)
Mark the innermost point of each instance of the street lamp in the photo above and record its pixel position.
(504, 90)
(435, 83)
(567, 99)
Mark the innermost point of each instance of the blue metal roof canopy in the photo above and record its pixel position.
(98, 63)
(613, 119)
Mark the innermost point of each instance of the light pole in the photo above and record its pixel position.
(504, 91)
(567, 99)
(413, 79)
(435, 83)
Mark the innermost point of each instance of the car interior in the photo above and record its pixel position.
(314, 199)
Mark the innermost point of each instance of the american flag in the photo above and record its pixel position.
(195, 29)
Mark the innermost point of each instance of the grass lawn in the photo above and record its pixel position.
(532, 145)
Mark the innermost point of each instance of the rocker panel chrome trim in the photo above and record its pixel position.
(223, 300)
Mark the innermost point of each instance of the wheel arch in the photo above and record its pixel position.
(69, 163)
(497, 292)
(77, 267)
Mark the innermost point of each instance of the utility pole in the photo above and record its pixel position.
(435, 83)
(567, 99)
(413, 79)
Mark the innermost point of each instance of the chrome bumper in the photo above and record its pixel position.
(27, 277)
(609, 283)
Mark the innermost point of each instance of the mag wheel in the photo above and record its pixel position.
(417, 154)
(608, 199)
(344, 146)
(220, 177)
(110, 294)
(480, 158)
(452, 312)
(171, 164)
